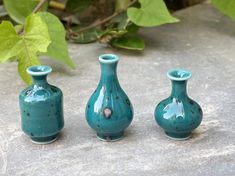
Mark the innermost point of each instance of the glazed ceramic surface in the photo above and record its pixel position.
(178, 115)
(41, 107)
(109, 111)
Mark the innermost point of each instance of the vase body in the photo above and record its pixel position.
(41, 107)
(109, 111)
(178, 114)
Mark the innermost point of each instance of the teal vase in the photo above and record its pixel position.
(109, 111)
(178, 115)
(41, 107)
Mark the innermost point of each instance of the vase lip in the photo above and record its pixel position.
(39, 70)
(179, 74)
(108, 58)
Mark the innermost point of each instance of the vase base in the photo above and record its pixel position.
(44, 140)
(178, 137)
(110, 137)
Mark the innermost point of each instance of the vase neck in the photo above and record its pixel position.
(40, 80)
(179, 89)
(108, 72)
(39, 74)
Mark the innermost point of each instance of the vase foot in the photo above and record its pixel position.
(178, 137)
(110, 137)
(44, 140)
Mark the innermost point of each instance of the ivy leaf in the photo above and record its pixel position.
(151, 13)
(27, 58)
(77, 5)
(132, 28)
(227, 7)
(26, 46)
(58, 48)
(121, 21)
(9, 39)
(131, 42)
(20, 9)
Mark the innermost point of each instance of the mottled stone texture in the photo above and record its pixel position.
(203, 42)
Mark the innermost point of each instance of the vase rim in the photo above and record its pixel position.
(39, 70)
(179, 74)
(108, 58)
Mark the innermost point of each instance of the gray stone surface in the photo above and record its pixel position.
(203, 42)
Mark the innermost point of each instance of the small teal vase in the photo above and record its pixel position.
(109, 111)
(41, 107)
(178, 115)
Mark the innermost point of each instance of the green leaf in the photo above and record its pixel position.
(227, 7)
(132, 28)
(77, 5)
(26, 46)
(58, 48)
(151, 13)
(128, 42)
(121, 21)
(87, 36)
(27, 58)
(9, 40)
(20, 9)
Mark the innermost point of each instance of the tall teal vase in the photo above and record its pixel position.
(178, 115)
(109, 111)
(41, 107)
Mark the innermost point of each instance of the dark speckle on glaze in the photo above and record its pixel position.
(191, 102)
(54, 89)
(199, 109)
(28, 114)
(128, 102)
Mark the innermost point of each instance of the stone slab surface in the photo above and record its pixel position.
(203, 42)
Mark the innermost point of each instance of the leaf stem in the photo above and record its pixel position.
(38, 7)
(97, 23)
(35, 10)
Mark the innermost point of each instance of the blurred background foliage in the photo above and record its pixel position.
(105, 21)
(111, 22)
